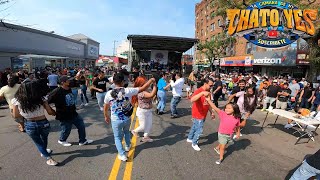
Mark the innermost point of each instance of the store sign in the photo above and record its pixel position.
(93, 51)
(275, 58)
(236, 61)
(272, 24)
(303, 59)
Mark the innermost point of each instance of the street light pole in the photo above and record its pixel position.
(114, 47)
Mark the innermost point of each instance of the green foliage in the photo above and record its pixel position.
(216, 47)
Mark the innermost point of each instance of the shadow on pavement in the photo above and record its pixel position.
(170, 136)
(251, 127)
(111, 149)
(211, 138)
(55, 126)
(241, 144)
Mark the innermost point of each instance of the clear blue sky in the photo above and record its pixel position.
(104, 20)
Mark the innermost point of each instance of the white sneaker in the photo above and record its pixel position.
(196, 147)
(127, 148)
(189, 140)
(122, 157)
(52, 162)
(86, 104)
(82, 104)
(49, 152)
(88, 141)
(64, 143)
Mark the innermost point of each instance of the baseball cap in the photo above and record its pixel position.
(275, 81)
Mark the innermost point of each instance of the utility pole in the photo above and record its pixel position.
(114, 47)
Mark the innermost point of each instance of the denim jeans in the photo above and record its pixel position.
(305, 171)
(174, 103)
(39, 132)
(75, 95)
(314, 107)
(162, 101)
(100, 98)
(66, 127)
(84, 93)
(120, 130)
(196, 130)
(305, 103)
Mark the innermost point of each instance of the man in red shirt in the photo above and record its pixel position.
(200, 108)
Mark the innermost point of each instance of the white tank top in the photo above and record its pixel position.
(29, 115)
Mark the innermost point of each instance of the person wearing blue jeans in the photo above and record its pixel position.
(177, 87)
(66, 127)
(162, 102)
(39, 132)
(196, 131)
(173, 106)
(121, 129)
(117, 100)
(310, 167)
(66, 113)
(100, 85)
(200, 108)
(162, 87)
(36, 124)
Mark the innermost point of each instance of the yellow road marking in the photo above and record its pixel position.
(116, 165)
(129, 165)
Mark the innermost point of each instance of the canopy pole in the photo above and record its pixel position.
(130, 56)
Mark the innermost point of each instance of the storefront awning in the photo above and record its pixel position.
(42, 57)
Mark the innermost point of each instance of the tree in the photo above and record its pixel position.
(313, 42)
(216, 47)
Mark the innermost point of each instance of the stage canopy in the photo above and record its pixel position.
(150, 42)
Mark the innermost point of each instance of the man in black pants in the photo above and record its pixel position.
(217, 90)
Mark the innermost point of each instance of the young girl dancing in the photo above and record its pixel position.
(229, 122)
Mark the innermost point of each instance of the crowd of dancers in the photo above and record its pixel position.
(31, 95)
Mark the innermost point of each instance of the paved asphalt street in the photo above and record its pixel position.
(259, 154)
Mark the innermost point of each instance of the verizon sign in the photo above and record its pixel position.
(275, 58)
(267, 61)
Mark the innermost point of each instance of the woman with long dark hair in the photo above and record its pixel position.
(144, 110)
(8, 93)
(30, 104)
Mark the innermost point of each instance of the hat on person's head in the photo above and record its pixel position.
(275, 81)
(64, 79)
(124, 67)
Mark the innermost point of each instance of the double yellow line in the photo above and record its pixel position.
(129, 164)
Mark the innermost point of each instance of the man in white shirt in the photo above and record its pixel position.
(177, 87)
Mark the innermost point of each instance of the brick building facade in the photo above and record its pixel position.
(207, 26)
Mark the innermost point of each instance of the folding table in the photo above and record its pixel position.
(302, 123)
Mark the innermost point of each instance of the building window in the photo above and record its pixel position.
(207, 28)
(208, 17)
(294, 45)
(213, 27)
(201, 32)
(254, 47)
(248, 48)
(219, 23)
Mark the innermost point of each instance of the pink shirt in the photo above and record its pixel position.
(227, 123)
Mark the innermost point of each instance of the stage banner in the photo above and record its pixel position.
(159, 57)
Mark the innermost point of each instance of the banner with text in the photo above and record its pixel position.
(275, 58)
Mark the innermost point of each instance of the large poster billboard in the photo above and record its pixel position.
(275, 58)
